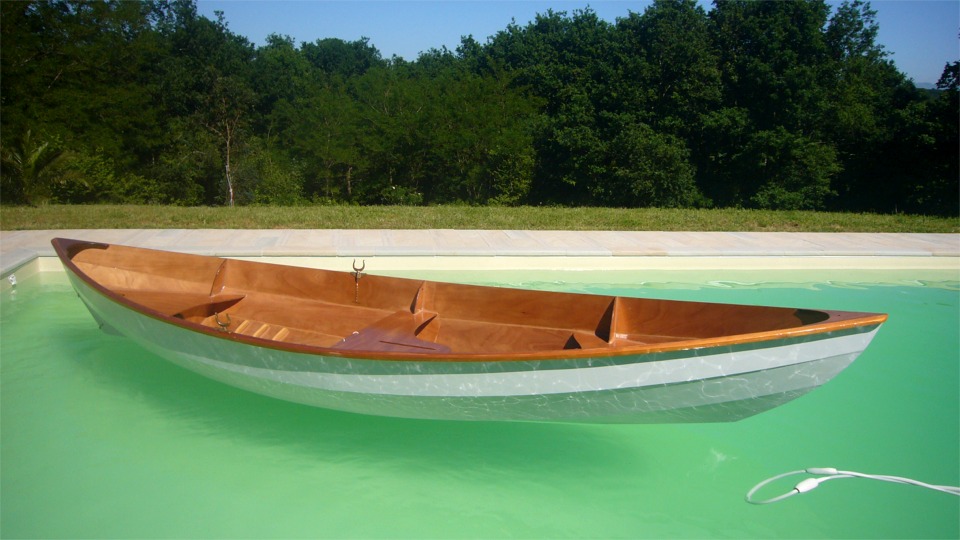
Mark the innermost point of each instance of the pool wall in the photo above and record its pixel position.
(23, 253)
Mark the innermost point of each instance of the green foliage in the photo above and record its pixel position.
(92, 178)
(795, 172)
(936, 180)
(84, 179)
(652, 169)
(265, 176)
(400, 196)
(28, 168)
(788, 105)
(671, 76)
(344, 59)
(773, 57)
(482, 150)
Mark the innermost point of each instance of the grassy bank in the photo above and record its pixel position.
(457, 217)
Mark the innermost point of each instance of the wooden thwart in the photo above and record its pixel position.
(395, 333)
(182, 304)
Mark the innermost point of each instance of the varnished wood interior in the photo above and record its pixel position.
(376, 314)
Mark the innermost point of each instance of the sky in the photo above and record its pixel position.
(920, 35)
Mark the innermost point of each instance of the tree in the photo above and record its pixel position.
(266, 175)
(392, 130)
(279, 73)
(28, 167)
(793, 172)
(772, 55)
(940, 195)
(567, 61)
(346, 59)
(949, 81)
(225, 116)
(205, 86)
(724, 135)
(920, 164)
(322, 129)
(648, 169)
(669, 80)
(852, 32)
(479, 147)
(762, 104)
(83, 72)
(669, 74)
(865, 104)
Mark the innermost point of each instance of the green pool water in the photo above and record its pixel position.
(99, 439)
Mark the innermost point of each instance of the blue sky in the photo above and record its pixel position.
(922, 35)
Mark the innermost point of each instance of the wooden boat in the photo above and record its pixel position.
(420, 349)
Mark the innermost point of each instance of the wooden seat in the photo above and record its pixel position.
(396, 332)
(586, 340)
(183, 305)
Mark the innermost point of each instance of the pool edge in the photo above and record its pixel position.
(27, 252)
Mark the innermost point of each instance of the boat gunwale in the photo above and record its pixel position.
(66, 249)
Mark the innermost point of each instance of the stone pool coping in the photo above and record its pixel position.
(520, 249)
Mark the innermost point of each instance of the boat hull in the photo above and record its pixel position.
(705, 384)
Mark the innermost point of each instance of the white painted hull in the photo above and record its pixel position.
(723, 383)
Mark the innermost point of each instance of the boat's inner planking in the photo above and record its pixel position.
(340, 310)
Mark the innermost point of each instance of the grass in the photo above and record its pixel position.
(458, 217)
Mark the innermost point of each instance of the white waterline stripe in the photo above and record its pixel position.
(562, 381)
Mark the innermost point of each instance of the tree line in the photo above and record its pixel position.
(778, 105)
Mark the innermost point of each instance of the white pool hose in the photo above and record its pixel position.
(822, 474)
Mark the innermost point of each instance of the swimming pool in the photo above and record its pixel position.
(100, 439)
